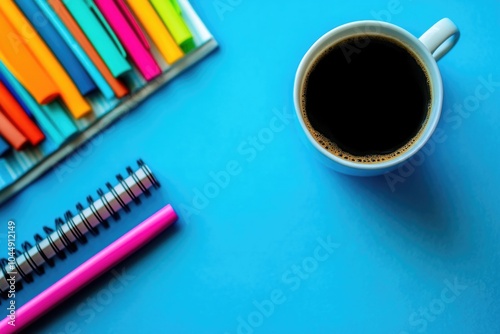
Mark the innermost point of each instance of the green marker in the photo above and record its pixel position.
(171, 14)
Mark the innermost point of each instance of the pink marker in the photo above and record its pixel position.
(130, 35)
(91, 269)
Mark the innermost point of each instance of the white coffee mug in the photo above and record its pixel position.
(429, 48)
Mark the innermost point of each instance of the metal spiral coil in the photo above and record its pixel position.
(66, 233)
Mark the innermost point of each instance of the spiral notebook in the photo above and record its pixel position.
(61, 240)
(18, 168)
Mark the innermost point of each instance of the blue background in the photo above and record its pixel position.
(398, 248)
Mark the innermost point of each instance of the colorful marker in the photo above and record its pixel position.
(23, 63)
(69, 93)
(11, 134)
(170, 12)
(76, 48)
(130, 35)
(47, 126)
(57, 45)
(18, 117)
(155, 28)
(116, 85)
(100, 35)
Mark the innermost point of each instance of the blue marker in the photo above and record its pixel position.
(60, 49)
(4, 147)
(84, 59)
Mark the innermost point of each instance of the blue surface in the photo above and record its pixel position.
(420, 256)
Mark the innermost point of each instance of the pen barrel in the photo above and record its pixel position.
(154, 26)
(58, 47)
(65, 87)
(17, 56)
(119, 89)
(17, 115)
(96, 31)
(130, 39)
(172, 18)
(8, 131)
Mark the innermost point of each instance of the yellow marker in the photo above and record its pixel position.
(170, 13)
(75, 102)
(156, 30)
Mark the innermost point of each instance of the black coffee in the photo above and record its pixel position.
(366, 99)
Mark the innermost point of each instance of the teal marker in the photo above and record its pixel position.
(100, 34)
(82, 57)
(60, 117)
(5, 175)
(53, 119)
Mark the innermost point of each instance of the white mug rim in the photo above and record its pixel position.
(416, 46)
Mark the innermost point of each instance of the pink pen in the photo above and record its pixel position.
(130, 35)
(91, 269)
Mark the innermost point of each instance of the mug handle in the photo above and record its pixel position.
(441, 38)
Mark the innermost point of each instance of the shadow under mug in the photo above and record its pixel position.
(429, 48)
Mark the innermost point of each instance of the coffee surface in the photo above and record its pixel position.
(366, 99)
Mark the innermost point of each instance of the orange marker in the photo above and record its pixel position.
(23, 63)
(18, 117)
(117, 86)
(70, 94)
(10, 133)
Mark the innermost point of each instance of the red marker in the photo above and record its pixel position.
(18, 117)
(10, 133)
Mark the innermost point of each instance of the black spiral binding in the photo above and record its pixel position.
(37, 269)
(94, 231)
(102, 222)
(28, 278)
(38, 239)
(69, 246)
